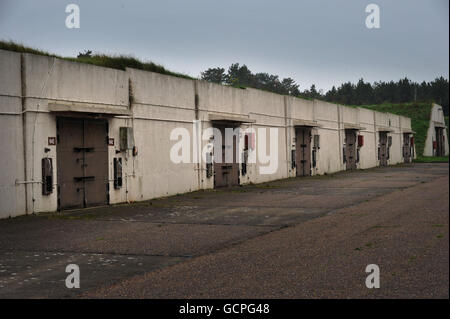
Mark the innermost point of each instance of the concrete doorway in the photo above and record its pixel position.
(350, 149)
(82, 156)
(440, 151)
(303, 150)
(406, 148)
(226, 171)
(383, 149)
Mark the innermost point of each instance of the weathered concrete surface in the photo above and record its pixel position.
(34, 91)
(234, 242)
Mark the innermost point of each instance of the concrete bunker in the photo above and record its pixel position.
(408, 146)
(436, 143)
(384, 145)
(82, 140)
(227, 168)
(439, 141)
(352, 144)
(305, 147)
(93, 107)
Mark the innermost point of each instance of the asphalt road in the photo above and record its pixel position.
(295, 238)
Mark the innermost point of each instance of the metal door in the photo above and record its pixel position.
(350, 149)
(303, 150)
(439, 141)
(226, 174)
(82, 163)
(406, 148)
(383, 148)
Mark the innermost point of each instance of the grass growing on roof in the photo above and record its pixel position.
(125, 61)
(418, 112)
(119, 62)
(18, 47)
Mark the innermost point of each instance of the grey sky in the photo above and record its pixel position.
(324, 42)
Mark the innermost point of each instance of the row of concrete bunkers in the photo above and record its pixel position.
(76, 135)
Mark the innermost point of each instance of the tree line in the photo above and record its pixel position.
(361, 93)
(241, 76)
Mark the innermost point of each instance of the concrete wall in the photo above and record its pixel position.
(369, 152)
(12, 170)
(329, 156)
(436, 119)
(154, 105)
(391, 123)
(48, 80)
(160, 103)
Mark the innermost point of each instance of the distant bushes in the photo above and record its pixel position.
(360, 93)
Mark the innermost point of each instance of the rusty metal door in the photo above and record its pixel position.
(226, 174)
(69, 136)
(82, 156)
(406, 148)
(303, 150)
(383, 148)
(439, 141)
(350, 149)
(96, 162)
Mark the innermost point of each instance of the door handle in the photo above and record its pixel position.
(80, 149)
(83, 178)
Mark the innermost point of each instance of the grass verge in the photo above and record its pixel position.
(431, 159)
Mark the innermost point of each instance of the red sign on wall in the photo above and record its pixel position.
(360, 140)
(250, 141)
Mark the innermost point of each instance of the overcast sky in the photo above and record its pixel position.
(325, 42)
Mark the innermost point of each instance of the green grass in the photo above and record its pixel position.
(119, 62)
(420, 118)
(431, 159)
(17, 47)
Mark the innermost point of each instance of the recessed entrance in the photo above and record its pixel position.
(440, 141)
(226, 170)
(383, 149)
(82, 156)
(303, 150)
(407, 148)
(350, 149)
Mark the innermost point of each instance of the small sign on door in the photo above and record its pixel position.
(52, 141)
